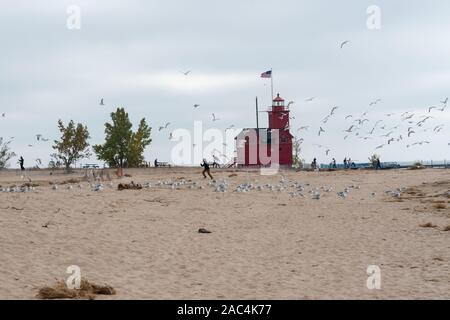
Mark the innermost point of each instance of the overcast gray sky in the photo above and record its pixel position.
(131, 54)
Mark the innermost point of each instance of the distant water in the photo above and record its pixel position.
(392, 164)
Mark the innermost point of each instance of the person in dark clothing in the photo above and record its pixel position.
(378, 163)
(205, 166)
(21, 162)
(156, 163)
(333, 163)
(314, 164)
(345, 163)
(215, 164)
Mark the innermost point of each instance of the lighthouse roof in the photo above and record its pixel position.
(278, 98)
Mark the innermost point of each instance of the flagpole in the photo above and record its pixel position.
(271, 82)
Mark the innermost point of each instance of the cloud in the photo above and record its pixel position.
(176, 82)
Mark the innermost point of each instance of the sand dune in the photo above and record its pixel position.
(263, 245)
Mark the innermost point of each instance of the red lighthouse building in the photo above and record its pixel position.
(268, 146)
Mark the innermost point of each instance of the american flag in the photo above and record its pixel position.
(267, 74)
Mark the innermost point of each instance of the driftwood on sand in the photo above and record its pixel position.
(129, 186)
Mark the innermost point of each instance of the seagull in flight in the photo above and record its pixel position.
(196, 105)
(349, 129)
(186, 73)
(214, 117)
(321, 130)
(374, 102)
(349, 116)
(38, 137)
(325, 120)
(421, 122)
(101, 102)
(290, 103)
(303, 128)
(445, 101)
(431, 108)
(310, 99)
(281, 117)
(344, 43)
(333, 110)
(164, 127)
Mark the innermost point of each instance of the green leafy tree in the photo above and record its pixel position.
(5, 154)
(73, 144)
(123, 147)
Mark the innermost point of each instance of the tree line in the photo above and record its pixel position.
(122, 148)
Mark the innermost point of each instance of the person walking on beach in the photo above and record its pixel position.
(314, 164)
(21, 162)
(333, 163)
(345, 163)
(378, 163)
(206, 169)
(156, 163)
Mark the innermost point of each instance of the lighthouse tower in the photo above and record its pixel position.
(279, 119)
(279, 115)
(251, 140)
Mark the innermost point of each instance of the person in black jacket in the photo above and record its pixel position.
(21, 161)
(205, 166)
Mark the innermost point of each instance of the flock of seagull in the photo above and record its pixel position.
(409, 124)
(293, 188)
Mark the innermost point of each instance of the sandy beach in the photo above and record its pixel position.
(264, 244)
